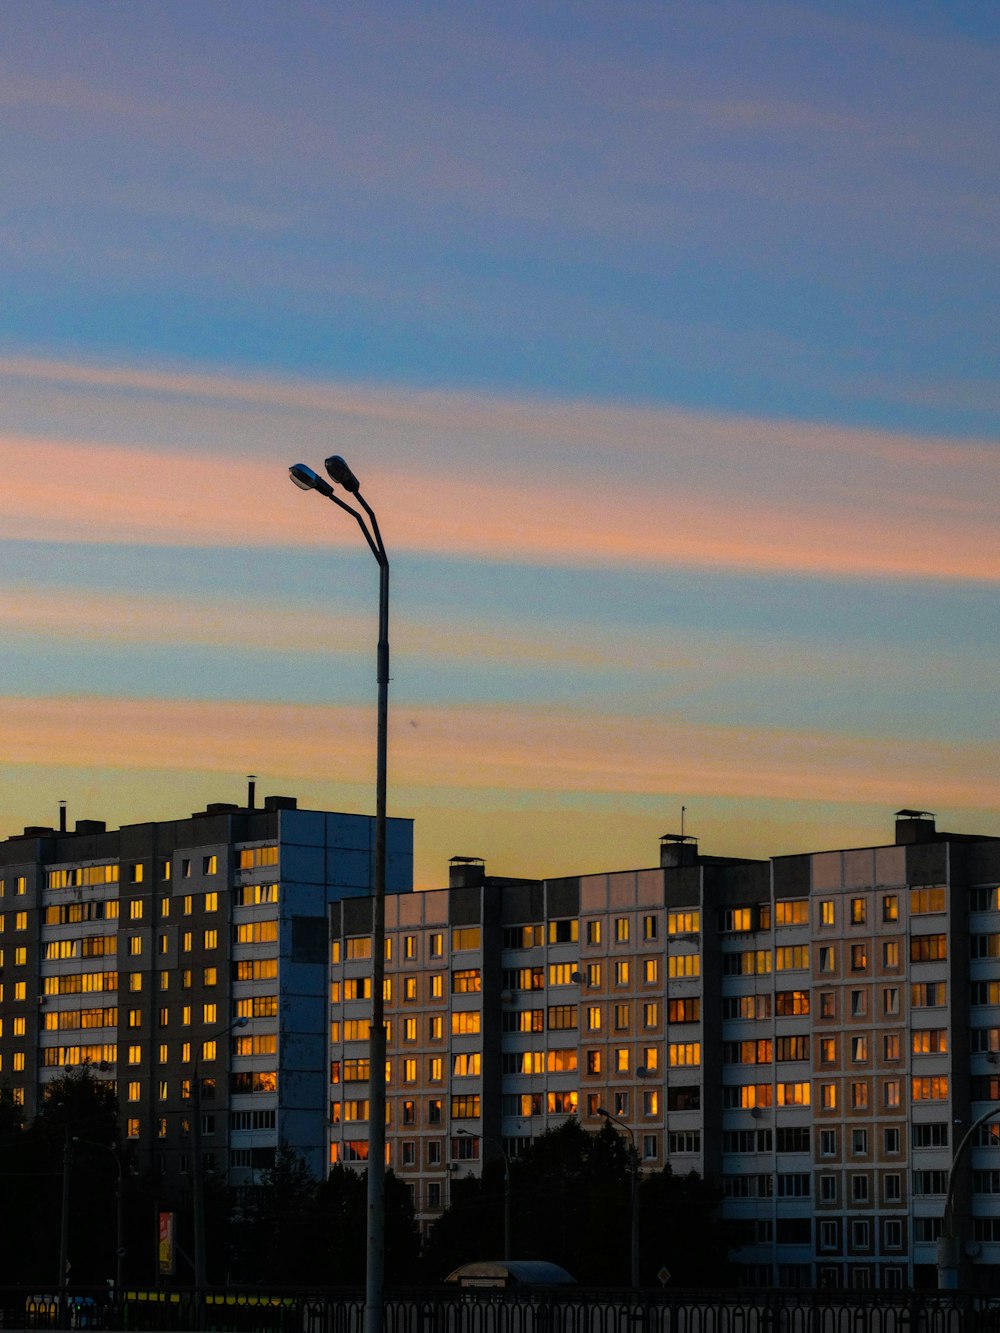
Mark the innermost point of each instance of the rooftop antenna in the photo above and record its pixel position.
(252, 790)
(62, 816)
(683, 812)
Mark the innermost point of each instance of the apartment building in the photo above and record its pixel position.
(187, 961)
(811, 1031)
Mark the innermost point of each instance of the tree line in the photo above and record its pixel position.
(569, 1201)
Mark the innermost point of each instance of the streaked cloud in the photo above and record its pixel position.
(525, 750)
(464, 474)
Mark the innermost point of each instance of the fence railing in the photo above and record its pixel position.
(517, 1310)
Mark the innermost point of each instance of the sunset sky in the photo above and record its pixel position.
(662, 336)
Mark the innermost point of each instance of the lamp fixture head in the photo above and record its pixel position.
(340, 472)
(308, 480)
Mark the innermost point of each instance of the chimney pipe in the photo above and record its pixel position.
(251, 791)
(62, 816)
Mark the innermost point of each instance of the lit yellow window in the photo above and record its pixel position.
(18, 1060)
(135, 909)
(19, 1027)
(132, 1127)
(209, 1013)
(135, 945)
(211, 939)
(134, 1091)
(21, 921)
(212, 899)
(209, 1050)
(135, 1055)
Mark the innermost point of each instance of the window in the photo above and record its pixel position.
(651, 1014)
(828, 1050)
(859, 1049)
(563, 932)
(792, 912)
(593, 932)
(859, 1096)
(925, 901)
(890, 907)
(930, 1041)
(562, 1017)
(466, 981)
(932, 1088)
(649, 925)
(826, 912)
(859, 1142)
(688, 964)
(928, 948)
(890, 1046)
(465, 1107)
(828, 1188)
(859, 1004)
(650, 971)
(928, 995)
(791, 957)
(436, 945)
(594, 1018)
(828, 1143)
(859, 1188)
(891, 1139)
(859, 912)
(890, 953)
(621, 929)
(859, 957)
(465, 937)
(890, 1000)
(622, 1017)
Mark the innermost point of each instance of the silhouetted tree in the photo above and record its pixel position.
(571, 1201)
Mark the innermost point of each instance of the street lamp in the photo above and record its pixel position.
(949, 1246)
(307, 480)
(483, 1138)
(119, 1209)
(197, 1171)
(633, 1160)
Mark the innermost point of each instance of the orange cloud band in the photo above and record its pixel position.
(509, 749)
(574, 482)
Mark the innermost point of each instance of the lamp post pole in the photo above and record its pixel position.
(506, 1186)
(64, 1233)
(949, 1246)
(307, 480)
(119, 1209)
(633, 1161)
(197, 1170)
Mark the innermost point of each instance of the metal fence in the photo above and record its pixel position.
(489, 1310)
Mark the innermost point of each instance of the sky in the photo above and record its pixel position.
(662, 337)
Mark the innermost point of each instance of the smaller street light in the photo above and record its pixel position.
(633, 1160)
(197, 1171)
(116, 1157)
(483, 1138)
